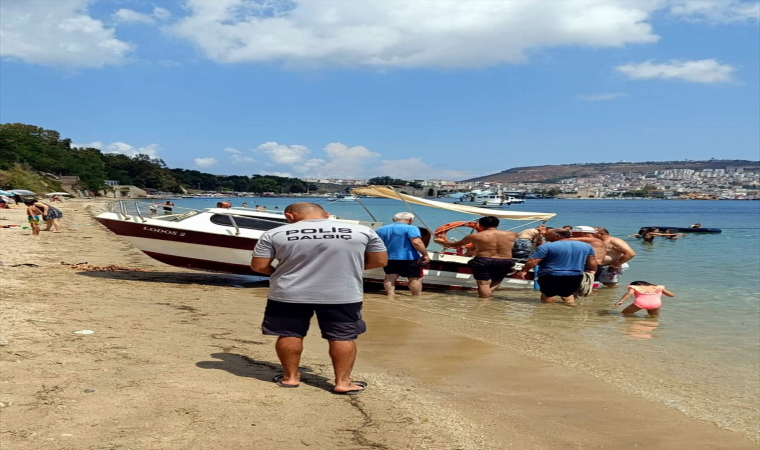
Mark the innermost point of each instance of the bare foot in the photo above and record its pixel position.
(355, 387)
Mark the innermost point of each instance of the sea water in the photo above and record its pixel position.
(702, 356)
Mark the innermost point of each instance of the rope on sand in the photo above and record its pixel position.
(110, 268)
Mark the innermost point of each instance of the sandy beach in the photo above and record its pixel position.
(176, 360)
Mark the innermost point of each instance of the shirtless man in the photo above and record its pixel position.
(492, 260)
(527, 241)
(616, 260)
(586, 234)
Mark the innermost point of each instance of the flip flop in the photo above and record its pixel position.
(363, 384)
(277, 379)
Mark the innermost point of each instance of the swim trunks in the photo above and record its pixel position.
(338, 322)
(562, 285)
(606, 275)
(409, 268)
(490, 268)
(522, 249)
(33, 219)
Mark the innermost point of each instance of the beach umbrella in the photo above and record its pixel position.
(21, 192)
(5, 193)
(56, 193)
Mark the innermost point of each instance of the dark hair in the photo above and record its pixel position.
(640, 283)
(602, 230)
(561, 232)
(30, 201)
(488, 222)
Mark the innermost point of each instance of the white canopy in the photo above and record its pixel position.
(56, 193)
(387, 192)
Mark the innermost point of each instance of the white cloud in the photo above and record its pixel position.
(122, 148)
(416, 169)
(701, 71)
(284, 154)
(602, 97)
(205, 162)
(130, 16)
(402, 33)
(58, 33)
(237, 157)
(343, 162)
(716, 11)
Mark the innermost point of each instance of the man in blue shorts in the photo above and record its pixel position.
(561, 263)
(319, 270)
(406, 253)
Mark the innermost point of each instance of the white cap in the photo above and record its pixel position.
(583, 229)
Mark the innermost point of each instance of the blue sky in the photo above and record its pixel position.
(436, 89)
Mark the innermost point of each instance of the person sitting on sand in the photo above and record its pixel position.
(646, 296)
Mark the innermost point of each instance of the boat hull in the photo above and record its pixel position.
(220, 253)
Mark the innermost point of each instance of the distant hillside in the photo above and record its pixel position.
(549, 174)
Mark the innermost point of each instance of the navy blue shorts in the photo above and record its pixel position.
(564, 286)
(339, 322)
(494, 269)
(408, 268)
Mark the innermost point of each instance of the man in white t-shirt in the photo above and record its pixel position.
(319, 270)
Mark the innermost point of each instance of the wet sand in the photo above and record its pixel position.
(177, 361)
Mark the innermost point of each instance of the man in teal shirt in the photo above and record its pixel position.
(406, 253)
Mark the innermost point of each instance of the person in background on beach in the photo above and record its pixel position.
(50, 215)
(261, 208)
(646, 296)
(168, 207)
(585, 234)
(695, 225)
(18, 199)
(225, 205)
(406, 253)
(615, 260)
(33, 214)
(527, 241)
(244, 205)
(320, 265)
(153, 209)
(561, 262)
(492, 260)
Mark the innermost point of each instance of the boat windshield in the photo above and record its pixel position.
(253, 223)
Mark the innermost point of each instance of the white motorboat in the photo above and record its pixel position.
(222, 239)
(342, 198)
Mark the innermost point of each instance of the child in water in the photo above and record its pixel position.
(645, 296)
(33, 215)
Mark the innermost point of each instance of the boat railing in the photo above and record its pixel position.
(141, 210)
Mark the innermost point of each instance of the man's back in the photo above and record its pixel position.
(319, 260)
(566, 257)
(600, 248)
(397, 238)
(493, 243)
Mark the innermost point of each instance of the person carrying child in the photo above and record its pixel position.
(645, 296)
(33, 214)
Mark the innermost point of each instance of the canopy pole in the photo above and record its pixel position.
(410, 208)
(365, 208)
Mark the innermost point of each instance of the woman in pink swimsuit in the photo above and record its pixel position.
(645, 296)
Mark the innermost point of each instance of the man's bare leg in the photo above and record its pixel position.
(484, 288)
(343, 355)
(389, 283)
(495, 284)
(415, 285)
(569, 301)
(289, 351)
(545, 299)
